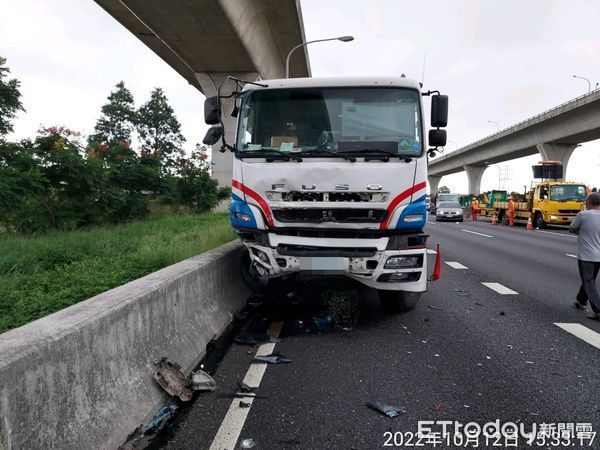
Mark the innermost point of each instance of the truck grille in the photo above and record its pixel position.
(320, 215)
(568, 211)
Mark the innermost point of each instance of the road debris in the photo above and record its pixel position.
(479, 304)
(172, 380)
(248, 443)
(201, 381)
(434, 307)
(502, 313)
(162, 415)
(438, 407)
(322, 323)
(244, 404)
(274, 358)
(243, 387)
(388, 410)
(241, 395)
(529, 362)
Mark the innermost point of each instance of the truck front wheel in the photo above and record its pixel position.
(538, 220)
(398, 301)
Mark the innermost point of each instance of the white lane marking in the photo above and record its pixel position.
(431, 252)
(500, 289)
(231, 427)
(572, 256)
(583, 333)
(456, 265)
(475, 232)
(557, 234)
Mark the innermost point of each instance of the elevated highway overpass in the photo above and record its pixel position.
(207, 40)
(554, 134)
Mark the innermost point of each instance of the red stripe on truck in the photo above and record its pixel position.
(261, 201)
(398, 199)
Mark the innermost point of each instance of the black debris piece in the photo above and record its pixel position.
(434, 307)
(388, 410)
(502, 313)
(274, 358)
(243, 387)
(241, 395)
(244, 404)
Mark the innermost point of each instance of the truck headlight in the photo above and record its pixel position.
(404, 262)
(553, 218)
(241, 216)
(414, 218)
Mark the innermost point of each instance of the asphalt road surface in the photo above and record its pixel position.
(483, 344)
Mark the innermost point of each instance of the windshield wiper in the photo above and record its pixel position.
(271, 155)
(381, 152)
(329, 152)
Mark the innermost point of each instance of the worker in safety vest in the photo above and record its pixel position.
(474, 208)
(511, 211)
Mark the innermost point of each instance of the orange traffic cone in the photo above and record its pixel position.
(437, 272)
(529, 223)
(494, 219)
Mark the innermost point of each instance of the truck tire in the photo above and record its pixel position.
(398, 301)
(538, 221)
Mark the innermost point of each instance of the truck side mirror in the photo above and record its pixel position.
(437, 138)
(212, 110)
(213, 135)
(439, 110)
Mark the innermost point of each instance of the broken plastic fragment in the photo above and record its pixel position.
(274, 358)
(244, 404)
(171, 379)
(201, 381)
(322, 322)
(388, 410)
(243, 387)
(163, 414)
(248, 443)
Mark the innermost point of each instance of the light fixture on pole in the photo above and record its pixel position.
(495, 123)
(588, 82)
(287, 60)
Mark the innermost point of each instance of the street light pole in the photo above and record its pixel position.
(588, 82)
(287, 60)
(495, 123)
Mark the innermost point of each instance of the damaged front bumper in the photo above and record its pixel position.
(387, 262)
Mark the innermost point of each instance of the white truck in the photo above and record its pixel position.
(329, 180)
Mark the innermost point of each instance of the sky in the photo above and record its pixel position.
(499, 61)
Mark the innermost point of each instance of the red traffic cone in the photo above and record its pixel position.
(437, 272)
(494, 219)
(529, 223)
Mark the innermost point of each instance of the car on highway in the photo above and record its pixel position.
(449, 211)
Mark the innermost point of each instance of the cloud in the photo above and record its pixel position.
(459, 68)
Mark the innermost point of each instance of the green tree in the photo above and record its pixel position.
(444, 190)
(193, 186)
(10, 99)
(159, 130)
(117, 119)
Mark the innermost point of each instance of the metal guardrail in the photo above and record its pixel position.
(518, 125)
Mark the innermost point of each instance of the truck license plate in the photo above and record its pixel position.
(324, 263)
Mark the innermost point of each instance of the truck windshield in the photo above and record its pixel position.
(327, 121)
(568, 193)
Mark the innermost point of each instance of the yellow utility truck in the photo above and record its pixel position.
(548, 202)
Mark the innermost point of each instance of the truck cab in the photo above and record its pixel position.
(329, 182)
(557, 202)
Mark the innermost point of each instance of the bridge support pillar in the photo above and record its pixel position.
(557, 152)
(474, 173)
(434, 182)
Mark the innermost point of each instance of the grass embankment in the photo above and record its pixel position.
(43, 274)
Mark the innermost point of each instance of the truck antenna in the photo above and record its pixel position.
(423, 72)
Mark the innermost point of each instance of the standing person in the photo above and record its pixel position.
(587, 228)
(474, 208)
(511, 211)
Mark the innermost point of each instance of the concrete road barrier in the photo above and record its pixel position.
(82, 378)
